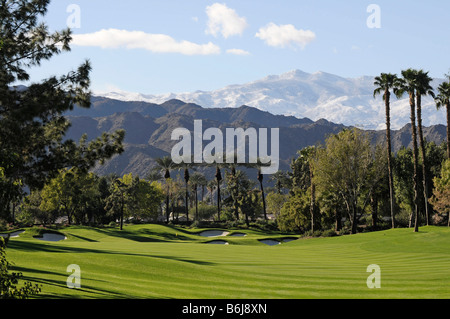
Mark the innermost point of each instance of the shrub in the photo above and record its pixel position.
(317, 233)
(205, 211)
(112, 224)
(8, 282)
(329, 233)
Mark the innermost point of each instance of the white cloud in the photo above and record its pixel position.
(158, 43)
(284, 35)
(224, 20)
(238, 52)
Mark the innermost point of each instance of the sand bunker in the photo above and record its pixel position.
(238, 235)
(13, 234)
(270, 242)
(213, 233)
(218, 242)
(51, 237)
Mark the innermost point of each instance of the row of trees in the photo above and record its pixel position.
(415, 83)
(347, 177)
(85, 198)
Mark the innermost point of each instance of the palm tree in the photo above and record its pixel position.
(281, 179)
(202, 182)
(154, 175)
(185, 167)
(218, 177)
(408, 84)
(211, 186)
(166, 164)
(423, 88)
(443, 100)
(384, 83)
(234, 180)
(197, 179)
(260, 178)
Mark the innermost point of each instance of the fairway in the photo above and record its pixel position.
(156, 261)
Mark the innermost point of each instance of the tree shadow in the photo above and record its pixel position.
(83, 238)
(144, 235)
(41, 247)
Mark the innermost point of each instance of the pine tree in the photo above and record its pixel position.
(32, 119)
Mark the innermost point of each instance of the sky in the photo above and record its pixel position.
(157, 47)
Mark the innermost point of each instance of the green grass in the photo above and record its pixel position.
(155, 261)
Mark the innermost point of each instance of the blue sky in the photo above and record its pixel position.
(158, 47)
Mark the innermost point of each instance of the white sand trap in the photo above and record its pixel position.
(218, 242)
(213, 233)
(270, 242)
(13, 234)
(51, 237)
(238, 235)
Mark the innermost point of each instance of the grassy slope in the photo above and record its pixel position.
(154, 261)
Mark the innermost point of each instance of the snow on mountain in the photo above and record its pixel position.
(347, 101)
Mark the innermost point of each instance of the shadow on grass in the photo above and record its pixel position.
(88, 290)
(143, 235)
(38, 247)
(83, 238)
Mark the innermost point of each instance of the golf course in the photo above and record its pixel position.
(159, 261)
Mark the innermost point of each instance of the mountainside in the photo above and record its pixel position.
(149, 127)
(319, 95)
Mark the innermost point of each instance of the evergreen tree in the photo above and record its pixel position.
(32, 119)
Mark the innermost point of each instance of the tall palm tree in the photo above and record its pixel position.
(260, 178)
(165, 164)
(281, 180)
(443, 100)
(185, 168)
(233, 167)
(408, 85)
(211, 187)
(423, 88)
(384, 83)
(218, 177)
(154, 175)
(197, 179)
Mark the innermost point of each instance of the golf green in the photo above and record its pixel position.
(156, 261)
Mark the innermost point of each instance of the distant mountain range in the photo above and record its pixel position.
(348, 101)
(149, 127)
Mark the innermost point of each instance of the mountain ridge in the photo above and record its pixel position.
(149, 127)
(341, 100)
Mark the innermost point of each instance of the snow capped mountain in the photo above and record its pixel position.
(347, 101)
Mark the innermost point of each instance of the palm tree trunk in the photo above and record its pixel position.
(186, 209)
(167, 203)
(218, 201)
(415, 158)
(218, 179)
(389, 156)
(313, 200)
(263, 200)
(186, 179)
(196, 203)
(260, 179)
(374, 202)
(354, 214)
(422, 150)
(447, 107)
(122, 204)
(338, 220)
